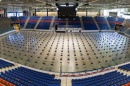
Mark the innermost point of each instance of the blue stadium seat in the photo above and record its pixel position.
(102, 23)
(125, 67)
(74, 23)
(15, 19)
(27, 77)
(45, 23)
(111, 21)
(61, 22)
(89, 23)
(108, 79)
(4, 64)
(22, 20)
(32, 22)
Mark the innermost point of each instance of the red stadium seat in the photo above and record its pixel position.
(128, 84)
(5, 83)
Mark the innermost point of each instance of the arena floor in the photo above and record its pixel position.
(65, 52)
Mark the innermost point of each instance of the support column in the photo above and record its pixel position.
(47, 12)
(86, 12)
(35, 12)
(5, 12)
(29, 11)
(99, 12)
(13, 11)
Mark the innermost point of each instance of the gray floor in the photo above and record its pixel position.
(65, 52)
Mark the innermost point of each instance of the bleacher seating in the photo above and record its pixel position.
(60, 21)
(125, 67)
(45, 22)
(128, 84)
(26, 77)
(109, 79)
(5, 83)
(15, 19)
(89, 23)
(101, 23)
(32, 22)
(22, 20)
(4, 64)
(74, 23)
(119, 20)
(5, 25)
(111, 21)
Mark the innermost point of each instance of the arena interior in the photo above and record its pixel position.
(64, 43)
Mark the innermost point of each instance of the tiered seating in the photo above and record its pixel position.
(32, 22)
(4, 64)
(5, 25)
(27, 77)
(45, 22)
(125, 67)
(111, 21)
(128, 84)
(102, 23)
(61, 22)
(119, 20)
(22, 20)
(15, 19)
(89, 23)
(108, 79)
(5, 83)
(74, 23)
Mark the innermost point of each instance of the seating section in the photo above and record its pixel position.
(5, 25)
(111, 21)
(119, 20)
(26, 77)
(109, 79)
(125, 67)
(74, 23)
(22, 20)
(45, 23)
(128, 84)
(15, 19)
(89, 23)
(32, 22)
(61, 22)
(5, 83)
(4, 64)
(101, 23)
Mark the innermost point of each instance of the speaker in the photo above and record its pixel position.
(67, 4)
(77, 4)
(57, 4)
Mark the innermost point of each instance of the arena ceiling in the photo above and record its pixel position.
(81, 3)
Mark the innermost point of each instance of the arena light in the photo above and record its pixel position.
(63, 5)
(71, 5)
